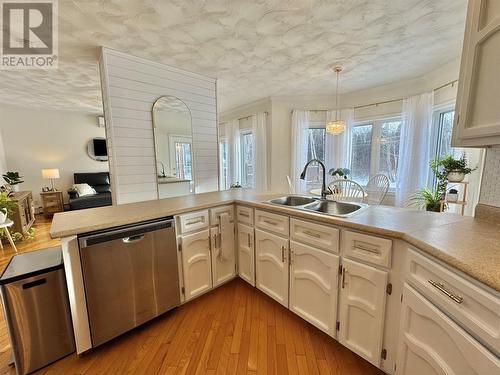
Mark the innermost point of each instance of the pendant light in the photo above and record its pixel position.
(337, 126)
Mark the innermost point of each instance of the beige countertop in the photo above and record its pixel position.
(470, 245)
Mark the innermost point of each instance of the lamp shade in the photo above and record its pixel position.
(50, 173)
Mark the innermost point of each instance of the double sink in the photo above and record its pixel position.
(322, 206)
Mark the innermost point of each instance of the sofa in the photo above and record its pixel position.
(100, 182)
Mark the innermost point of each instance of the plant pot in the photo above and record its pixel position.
(3, 217)
(433, 207)
(456, 176)
(15, 188)
(452, 197)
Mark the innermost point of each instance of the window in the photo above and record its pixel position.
(247, 159)
(183, 161)
(375, 149)
(443, 132)
(224, 172)
(315, 150)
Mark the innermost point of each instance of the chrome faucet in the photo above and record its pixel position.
(324, 191)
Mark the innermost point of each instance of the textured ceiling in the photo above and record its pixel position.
(255, 48)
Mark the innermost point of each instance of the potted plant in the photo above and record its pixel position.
(235, 185)
(13, 179)
(452, 195)
(341, 172)
(6, 206)
(455, 169)
(430, 199)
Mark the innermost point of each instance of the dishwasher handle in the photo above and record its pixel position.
(128, 234)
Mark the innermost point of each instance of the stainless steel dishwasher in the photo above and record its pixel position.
(130, 276)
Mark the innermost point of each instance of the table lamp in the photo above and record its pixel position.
(51, 173)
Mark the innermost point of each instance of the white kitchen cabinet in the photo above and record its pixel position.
(223, 255)
(196, 263)
(477, 118)
(432, 344)
(271, 252)
(314, 286)
(246, 253)
(362, 309)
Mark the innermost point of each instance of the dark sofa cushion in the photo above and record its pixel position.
(89, 201)
(102, 188)
(98, 178)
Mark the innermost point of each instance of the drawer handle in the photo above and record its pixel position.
(283, 254)
(244, 214)
(365, 247)
(270, 222)
(440, 286)
(195, 221)
(312, 234)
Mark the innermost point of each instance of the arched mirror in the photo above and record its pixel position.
(173, 147)
(97, 149)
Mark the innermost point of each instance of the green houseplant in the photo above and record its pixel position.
(6, 206)
(430, 199)
(341, 172)
(13, 179)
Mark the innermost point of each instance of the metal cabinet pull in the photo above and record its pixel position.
(210, 243)
(344, 271)
(249, 241)
(283, 254)
(365, 247)
(312, 234)
(244, 214)
(215, 241)
(133, 239)
(195, 221)
(270, 222)
(440, 286)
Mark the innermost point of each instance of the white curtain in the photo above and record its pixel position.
(300, 124)
(233, 149)
(259, 130)
(338, 147)
(414, 146)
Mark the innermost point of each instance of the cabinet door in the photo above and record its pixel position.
(477, 120)
(314, 286)
(362, 309)
(223, 257)
(246, 254)
(431, 343)
(196, 263)
(271, 253)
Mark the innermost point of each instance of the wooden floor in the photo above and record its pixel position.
(234, 329)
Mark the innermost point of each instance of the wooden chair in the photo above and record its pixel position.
(346, 190)
(377, 188)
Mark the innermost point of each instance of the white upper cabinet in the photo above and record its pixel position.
(223, 254)
(196, 263)
(432, 344)
(314, 286)
(477, 119)
(362, 309)
(246, 254)
(271, 253)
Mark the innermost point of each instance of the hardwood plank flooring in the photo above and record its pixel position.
(235, 329)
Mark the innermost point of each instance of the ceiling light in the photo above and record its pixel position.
(337, 126)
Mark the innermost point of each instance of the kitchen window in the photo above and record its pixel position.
(247, 159)
(375, 149)
(224, 165)
(316, 144)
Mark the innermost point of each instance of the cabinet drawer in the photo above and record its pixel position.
(469, 305)
(215, 212)
(244, 215)
(371, 249)
(193, 221)
(272, 222)
(315, 235)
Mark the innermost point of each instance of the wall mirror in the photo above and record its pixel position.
(173, 147)
(97, 149)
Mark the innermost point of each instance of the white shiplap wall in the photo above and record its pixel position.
(130, 86)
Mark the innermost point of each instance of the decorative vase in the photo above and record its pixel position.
(3, 216)
(452, 197)
(456, 176)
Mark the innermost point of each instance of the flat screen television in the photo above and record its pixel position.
(100, 147)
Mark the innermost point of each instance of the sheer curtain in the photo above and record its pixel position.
(233, 150)
(414, 146)
(338, 147)
(259, 129)
(299, 136)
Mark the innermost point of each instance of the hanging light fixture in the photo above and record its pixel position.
(337, 126)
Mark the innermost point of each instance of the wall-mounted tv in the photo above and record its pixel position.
(100, 147)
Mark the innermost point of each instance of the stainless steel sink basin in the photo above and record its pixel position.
(342, 209)
(292, 200)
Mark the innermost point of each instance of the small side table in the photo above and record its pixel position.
(5, 225)
(52, 202)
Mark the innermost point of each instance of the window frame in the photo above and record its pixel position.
(244, 183)
(376, 125)
(224, 182)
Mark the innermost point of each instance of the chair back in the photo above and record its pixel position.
(346, 190)
(291, 189)
(377, 189)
